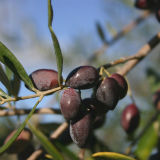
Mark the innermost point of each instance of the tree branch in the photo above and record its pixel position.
(16, 112)
(118, 36)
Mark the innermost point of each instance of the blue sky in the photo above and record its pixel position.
(71, 16)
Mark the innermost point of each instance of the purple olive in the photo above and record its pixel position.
(130, 118)
(22, 141)
(108, 93)
(142, 4)
(92, 104)
(70, 103)
(44, 79)
(158, 14)
(25, 154)
(83, 77)
(123, 86)
(98, 121)
(80, 130)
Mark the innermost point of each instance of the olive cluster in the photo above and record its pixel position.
(87, 114)
(22, 146)
(84, 115)
(152, 5)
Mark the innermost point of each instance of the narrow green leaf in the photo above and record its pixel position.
(111, 156)
(3, 94)
(58, 53)
(147, 142)
(4, 79)
(9, 73)
(15, 85)
(8, 58)
(17, 133)
(100, 32)
(46, 143)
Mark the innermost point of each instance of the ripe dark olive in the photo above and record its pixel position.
(22, 141)
(153, 4)
(108, 93)
(99, 121)
(142, 4)
(155, 156)
(44, 79)
(65, 137)
(80, 130)
(83, 77)
(123, 86)
(70, 103)
(158, 14)
(25, 154)
(130, 118)
(156, 99)
(91, 104)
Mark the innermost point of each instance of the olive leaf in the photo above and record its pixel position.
(8, 58)
(58, 53)
(145, 144)
(100, 32)
(16, 83)
(4, 79)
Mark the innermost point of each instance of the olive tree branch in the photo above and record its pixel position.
(131, 61)
(118, 36)
(143, 52)
(38, 94)
(26, 111)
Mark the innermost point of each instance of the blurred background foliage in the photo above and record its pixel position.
(23, 29)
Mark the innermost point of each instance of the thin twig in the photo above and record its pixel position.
(131, 61)
(118, 36)
(59, 130)
(38, 94)
(26, 111)
(143, 52)
(81, 154)
(35, 154)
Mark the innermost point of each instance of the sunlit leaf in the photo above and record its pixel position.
(147, 142)
(19, 130)
(49, 147)
(59, 58)
(8, 58)
(111, 156)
